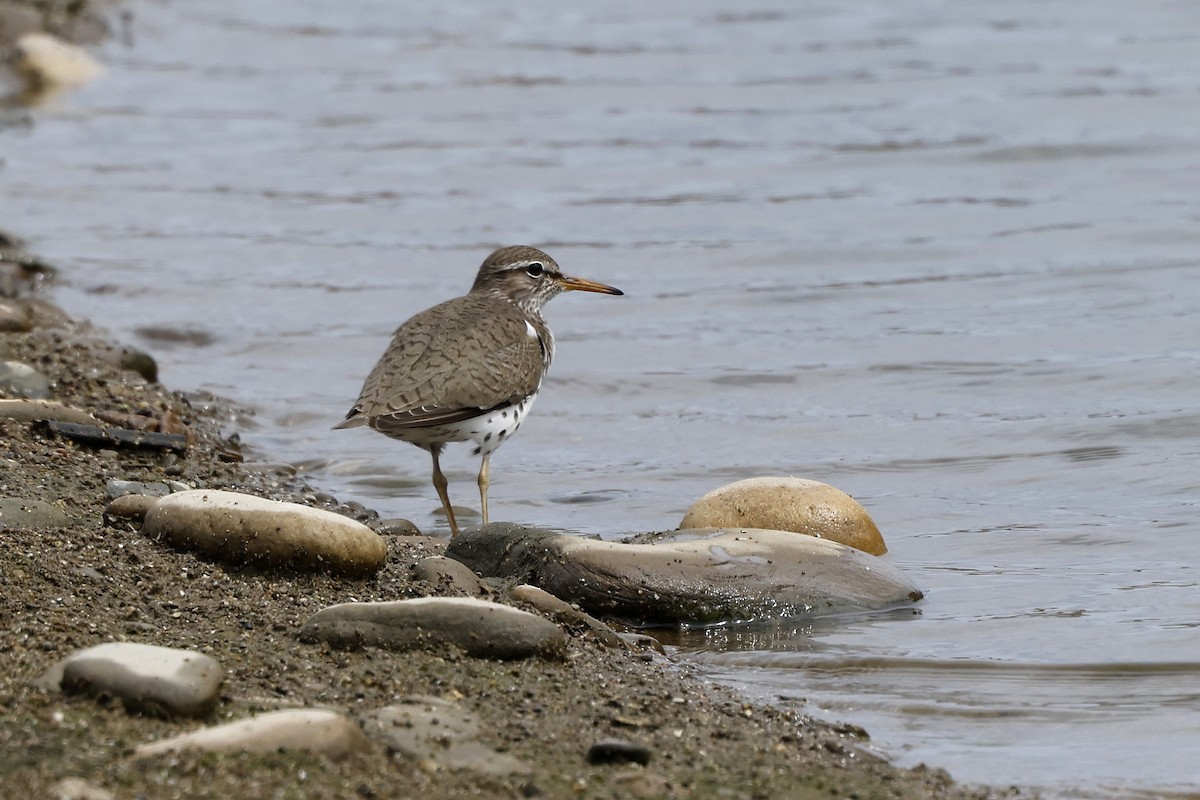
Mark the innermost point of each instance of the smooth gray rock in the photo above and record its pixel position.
(119, 488)
(440, 734)
(239, 528)
(27, 514)
(156, 680)
(446, 573)
(689, 577)
(478, 627)
(311, 730)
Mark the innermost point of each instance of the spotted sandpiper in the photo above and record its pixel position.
(470, 368)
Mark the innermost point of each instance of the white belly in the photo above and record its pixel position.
(487, 432)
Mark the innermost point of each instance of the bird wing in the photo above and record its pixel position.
(451, 363)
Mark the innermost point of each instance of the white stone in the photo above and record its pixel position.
(312, 730)
(157, 680)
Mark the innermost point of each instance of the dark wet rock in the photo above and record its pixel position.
(162, 681)
(138, 361)
(438, 734)
(310, 730)
(238, 528)
(30, 514)
(565, 614)
(42, 410)
(618, 751)
(788, 504)
(106, 436)
(690, 577)
(447, 574)
(22, 380)
(480, 628)
(396, 527)
(642, 641)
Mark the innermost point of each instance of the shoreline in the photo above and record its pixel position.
(80, 578)
(77, 577)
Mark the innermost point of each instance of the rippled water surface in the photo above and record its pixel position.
(942, 255)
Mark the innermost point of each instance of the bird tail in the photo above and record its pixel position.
(353, 420)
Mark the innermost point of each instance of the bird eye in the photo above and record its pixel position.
(535, 270)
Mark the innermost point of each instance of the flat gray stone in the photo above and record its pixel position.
(241, 528)
(691, 576)
(438, 734)
(27, 514)
(311, 730)
(156, 680)
(478, 627)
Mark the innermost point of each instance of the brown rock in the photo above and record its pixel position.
(788, 504)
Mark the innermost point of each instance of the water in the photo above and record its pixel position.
(942, 255)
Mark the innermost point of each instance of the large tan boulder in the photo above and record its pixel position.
(788, 504)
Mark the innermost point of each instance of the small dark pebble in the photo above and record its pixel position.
(618, 751)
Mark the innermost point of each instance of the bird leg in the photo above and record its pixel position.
(441, 484)
(483, 486)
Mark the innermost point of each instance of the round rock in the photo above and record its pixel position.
(237, 528)
(788, 504)
(155, 680)
(312, 730)
(447, 574)
(480, 628)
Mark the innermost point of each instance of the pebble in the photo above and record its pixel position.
(448, 574)
(480, 628)
(618, 751)
(319, 731)
(788, 504)
(22, 380)
(28, 514)
(689, 576)
(241, 528)
(438, 734)
(162, 681)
